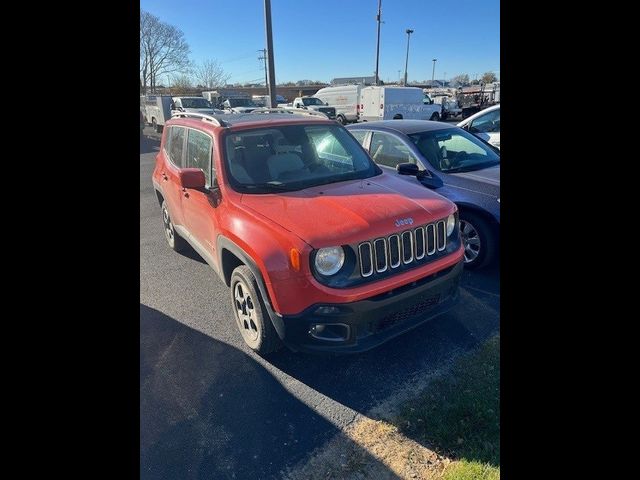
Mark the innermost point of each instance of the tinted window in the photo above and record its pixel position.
(294, 157)
(360, 135)
(454, 150)
(195, 103)
(176, 143)
(199, 153)
(389, 150)
(488, 123)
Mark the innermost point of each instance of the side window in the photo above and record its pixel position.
(488, 123)
(360, 135)
(389, 150)
(199, 153)
(167, 140)
(176, 142)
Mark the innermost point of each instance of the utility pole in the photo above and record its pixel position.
(271, 80)
(406, 64)
(263, 57)
(378, 42)
(433, 72)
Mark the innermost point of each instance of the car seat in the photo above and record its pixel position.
(285, 165)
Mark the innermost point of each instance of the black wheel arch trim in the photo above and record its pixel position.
(478, 211)
(223, 243)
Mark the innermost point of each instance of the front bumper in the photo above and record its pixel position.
(365, 324)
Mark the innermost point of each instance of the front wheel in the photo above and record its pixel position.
(250, 313)
(435, 117)
(478, 238)
(175, 241)
(341, 120)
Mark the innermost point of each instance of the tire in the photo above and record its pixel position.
(435, 117)
(175, 241)
(341, 120)
(397, 116)
(478, 238)
(250, 314)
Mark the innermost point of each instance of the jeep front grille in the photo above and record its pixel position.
(406, 248)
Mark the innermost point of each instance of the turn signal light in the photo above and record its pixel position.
(294, 257)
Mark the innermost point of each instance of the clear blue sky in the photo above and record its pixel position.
(323, 39)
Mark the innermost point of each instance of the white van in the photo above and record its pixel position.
(345, 99)
(157, 110)
(387, 103)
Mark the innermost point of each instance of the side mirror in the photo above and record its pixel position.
(408, 169)
(429, 180)
(424, 176)
(192, 178)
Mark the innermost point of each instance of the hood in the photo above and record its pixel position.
(489, 176)
(244, 109)
(205, 111)
(351, 211)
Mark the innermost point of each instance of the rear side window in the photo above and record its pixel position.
(199, 153)
(360, 135)
(176, 145)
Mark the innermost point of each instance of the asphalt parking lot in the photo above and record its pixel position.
(211, 408)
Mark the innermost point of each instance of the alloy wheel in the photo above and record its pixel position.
(470, 240)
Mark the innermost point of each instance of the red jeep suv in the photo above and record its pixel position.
(320, 249)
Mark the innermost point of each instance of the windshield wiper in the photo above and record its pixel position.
(471, 168)
(269, 185)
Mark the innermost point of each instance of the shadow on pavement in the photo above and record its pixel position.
(209, 411)
(361, 381)
(149, 143)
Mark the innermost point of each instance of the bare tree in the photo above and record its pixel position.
(181, 83)
(210, 74)
(488, 77)
(460, 80)
(163, 50)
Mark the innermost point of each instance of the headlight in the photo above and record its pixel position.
(451, 224)
(329, 260)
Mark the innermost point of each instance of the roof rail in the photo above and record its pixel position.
(271, 110)
(205, 118)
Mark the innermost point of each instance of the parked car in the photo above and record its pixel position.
(194, 105)
(485, 124)
(312, 103)
(320, 248)
(451, 161)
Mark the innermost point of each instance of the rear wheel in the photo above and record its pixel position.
(341, 120)
(250, 313)
(175, 241)
(478, 238)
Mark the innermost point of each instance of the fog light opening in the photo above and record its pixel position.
(327, 310)
(332, 332)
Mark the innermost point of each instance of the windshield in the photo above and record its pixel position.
(454, 150)
(240, 102)
(294, 157)
(312, 101)
(195, 103)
